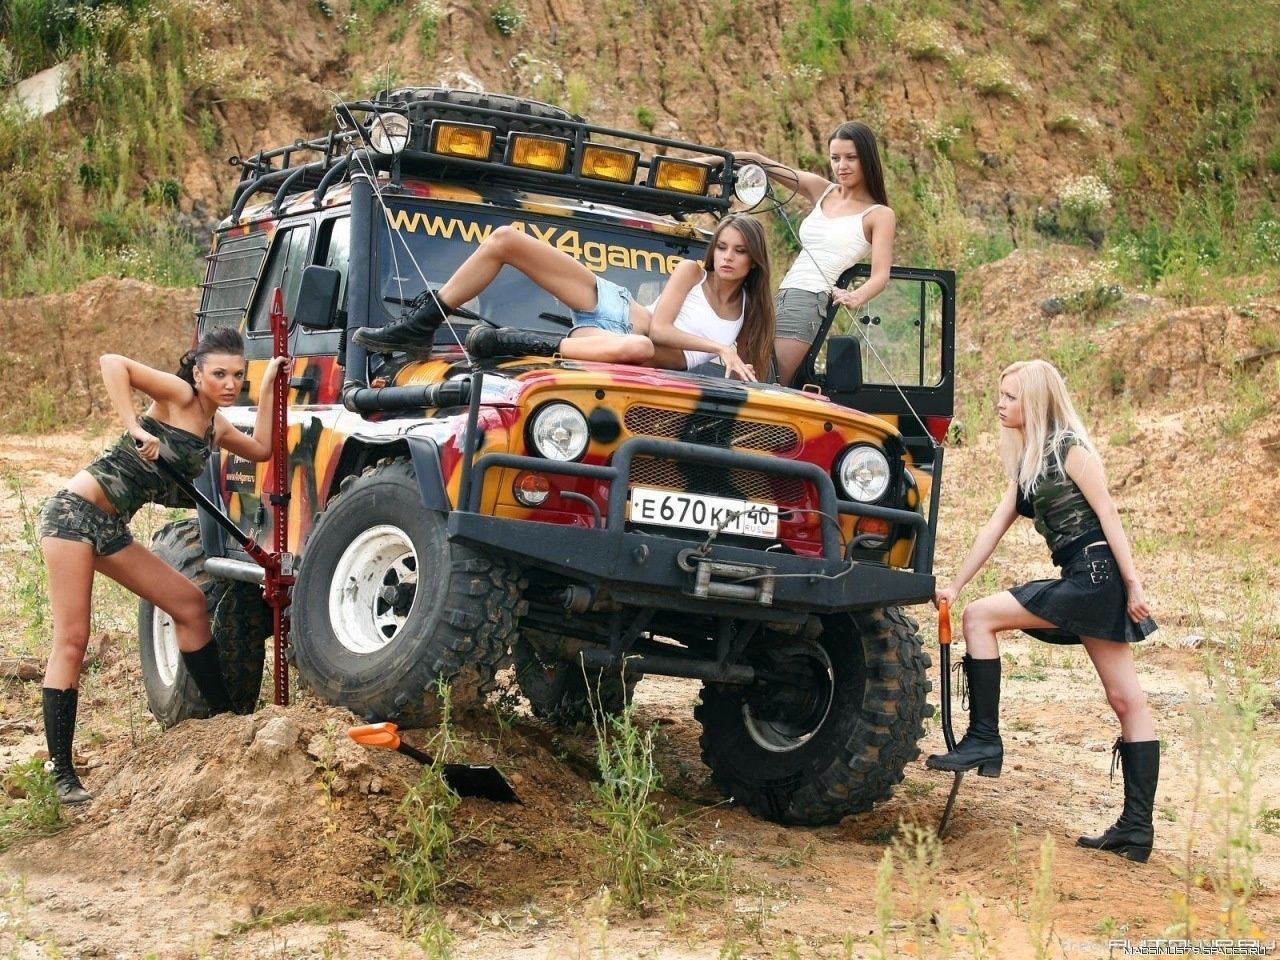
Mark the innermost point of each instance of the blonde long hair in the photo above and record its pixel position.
(1048, 416)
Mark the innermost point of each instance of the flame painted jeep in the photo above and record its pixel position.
(580, 520)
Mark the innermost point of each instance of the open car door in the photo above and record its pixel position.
(896, 358)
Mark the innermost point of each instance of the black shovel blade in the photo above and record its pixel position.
(479, 780)
(468, 779)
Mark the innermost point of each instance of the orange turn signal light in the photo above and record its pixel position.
(531, 489)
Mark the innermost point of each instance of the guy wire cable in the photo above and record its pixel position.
(779, 208)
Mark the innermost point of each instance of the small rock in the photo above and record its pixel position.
(504, 847)
(1098, 746)
(1192, 640)
(375, 785)
(1052, 306)
(276, 738)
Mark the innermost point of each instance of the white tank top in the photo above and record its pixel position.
(697, 317)
(836, 243)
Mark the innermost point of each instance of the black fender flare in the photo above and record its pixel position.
(358, 453)
(425, 454)
(212, 537)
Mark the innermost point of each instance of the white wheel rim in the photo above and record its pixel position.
(373, 589)
(778, 736)
(164, 643)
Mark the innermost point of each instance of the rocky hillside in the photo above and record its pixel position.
(1003, 121)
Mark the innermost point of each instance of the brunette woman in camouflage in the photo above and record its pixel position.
(84, 527)
(1056, 479)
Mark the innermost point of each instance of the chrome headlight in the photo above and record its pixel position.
(389, 133)
(863, 473)
(751, 185)
(559, 432)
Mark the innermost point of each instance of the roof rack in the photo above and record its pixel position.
(315, 165)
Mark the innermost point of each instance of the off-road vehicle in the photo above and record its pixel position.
(589, 523)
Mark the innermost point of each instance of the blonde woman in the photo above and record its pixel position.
(1056, 479)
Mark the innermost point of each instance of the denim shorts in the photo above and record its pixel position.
(69, 516)
(800, 313)
(613, 309)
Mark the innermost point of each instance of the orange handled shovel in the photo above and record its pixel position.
(464, 779)
(944, 661)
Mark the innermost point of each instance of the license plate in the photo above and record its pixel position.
(695, 511)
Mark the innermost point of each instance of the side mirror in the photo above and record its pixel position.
(318, 298)
(844, 365)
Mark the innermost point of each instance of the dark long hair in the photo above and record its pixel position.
(218, 340)
(755, 342)
(864, 141)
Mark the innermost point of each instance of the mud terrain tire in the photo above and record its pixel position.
(558, 692)
(385, 606)
(437, 103)
(240, 620)
(814, 762)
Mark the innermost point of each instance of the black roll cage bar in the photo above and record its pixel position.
(338, 149)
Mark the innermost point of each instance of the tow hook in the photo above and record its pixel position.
(720, 580)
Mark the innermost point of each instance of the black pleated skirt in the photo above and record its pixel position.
(1089, 600)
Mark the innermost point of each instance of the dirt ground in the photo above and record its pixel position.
(262, 836)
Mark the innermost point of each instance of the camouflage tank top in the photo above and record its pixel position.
(1062, 514)
(128, 481)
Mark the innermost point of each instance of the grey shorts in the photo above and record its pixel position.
(800, 313)
(612, 312)
(69, 516)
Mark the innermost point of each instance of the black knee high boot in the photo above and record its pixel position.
(203, 666)
(413, 334)
(1133, 834)
(485, 341)
(981, 746)
(59, 730)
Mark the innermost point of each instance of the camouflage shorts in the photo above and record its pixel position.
(69, 516)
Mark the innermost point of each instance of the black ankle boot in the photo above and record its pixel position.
(413, 334)
(1133, 834)
(981, 746)
(486, 341)
(59, 729)
(203, 666)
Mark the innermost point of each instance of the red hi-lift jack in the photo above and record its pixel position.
(277, 564)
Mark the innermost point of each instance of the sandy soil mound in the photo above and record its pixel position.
(50, 345)
(282, 808)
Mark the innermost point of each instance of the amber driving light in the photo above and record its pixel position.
(538, 153)
(609, 163)
(469, 140)
(684, 176)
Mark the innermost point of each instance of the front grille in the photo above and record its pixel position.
(716, 481)
(710, 429)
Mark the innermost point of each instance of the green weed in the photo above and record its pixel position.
(1226, 750)
(818, 35)
(31, 577)
(419, 854)
(506, 17)
(36, 812)
(643, 857)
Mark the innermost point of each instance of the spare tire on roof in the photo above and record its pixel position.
(439, 103)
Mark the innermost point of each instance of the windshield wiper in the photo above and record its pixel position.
(461, 313)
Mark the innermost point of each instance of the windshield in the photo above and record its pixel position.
(423, 244)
